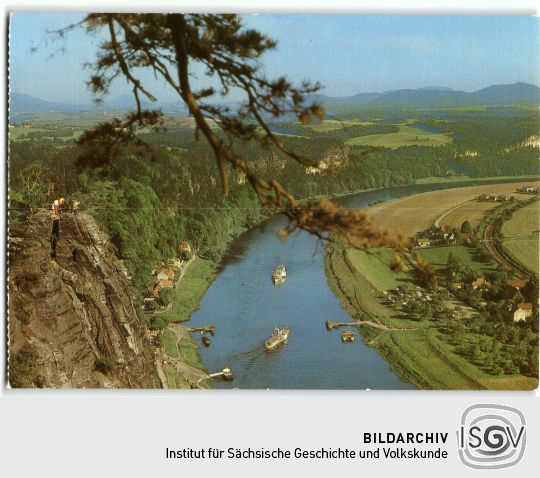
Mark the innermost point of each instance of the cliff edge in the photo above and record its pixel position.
(70, 304)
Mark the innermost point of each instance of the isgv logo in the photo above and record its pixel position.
(491, 436)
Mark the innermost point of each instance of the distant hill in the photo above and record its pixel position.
(20, 103)
(440, 97)
(425, 97)
(509, 94)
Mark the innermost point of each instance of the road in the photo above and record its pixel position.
(442, 216)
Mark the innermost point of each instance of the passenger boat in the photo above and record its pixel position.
(278, 336)
(279, 274)
(347, 336)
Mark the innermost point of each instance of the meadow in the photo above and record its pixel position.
(192, 288)
(521, 235)
(406, 136)
(438, 257)
(375, 264)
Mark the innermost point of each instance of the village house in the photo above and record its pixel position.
(477, 283)
(162, 284)
(164, 274)
(517, 283)
(466, 238)
(527, 307)
(423, 242)
(184, 246)
(514, 288)
(519, 315)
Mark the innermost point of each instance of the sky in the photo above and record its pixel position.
(347, 54)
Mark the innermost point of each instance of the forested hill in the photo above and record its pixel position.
(436, 97)
(153, 196)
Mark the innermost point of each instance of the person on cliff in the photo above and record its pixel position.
(55, 207)
(75, 206)
(61, 205)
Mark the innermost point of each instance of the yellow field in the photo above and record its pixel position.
(473, 212)
(417, 213)
(406, 136)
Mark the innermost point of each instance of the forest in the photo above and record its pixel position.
(164, 188)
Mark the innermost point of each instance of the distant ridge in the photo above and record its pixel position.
(439, 97)
(425, 97)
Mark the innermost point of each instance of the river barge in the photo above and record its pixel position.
(347, 336)
(279, 274)
(279, 336)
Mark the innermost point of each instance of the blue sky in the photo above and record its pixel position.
(347, 54)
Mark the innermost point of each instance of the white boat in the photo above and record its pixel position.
(279, 274)
(278, 336)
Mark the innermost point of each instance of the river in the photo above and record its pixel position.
(245, 307)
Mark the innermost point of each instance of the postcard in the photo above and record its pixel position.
(299, 202)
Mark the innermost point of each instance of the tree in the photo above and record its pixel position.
(453, 266)
(167, 296)
(168, 45)
(425, 274)
(466, 227)
(157, 323)
(36, 186)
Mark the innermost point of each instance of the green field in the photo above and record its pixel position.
(406, 136)
(375, 264)
(521, 235)
(189, 351)
(438, 257)
(192, 288)
(168, 340)
(424, 360)
(174, 379)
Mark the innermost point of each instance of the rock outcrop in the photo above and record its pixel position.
(70, 299)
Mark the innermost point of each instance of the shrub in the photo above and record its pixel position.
(22, 367)
(157, 323)
(105, 364)
(167, 296)
(466, 227)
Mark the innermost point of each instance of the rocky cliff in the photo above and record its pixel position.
(70, 304)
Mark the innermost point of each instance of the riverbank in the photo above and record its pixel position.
(177, 359)
(417, 353)
(430, 356)
(417, 356)
(196, 285)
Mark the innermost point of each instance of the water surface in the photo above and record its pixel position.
(245, 307)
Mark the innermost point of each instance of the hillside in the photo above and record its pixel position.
(72, 322)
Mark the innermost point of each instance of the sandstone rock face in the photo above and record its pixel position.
(69, 297)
